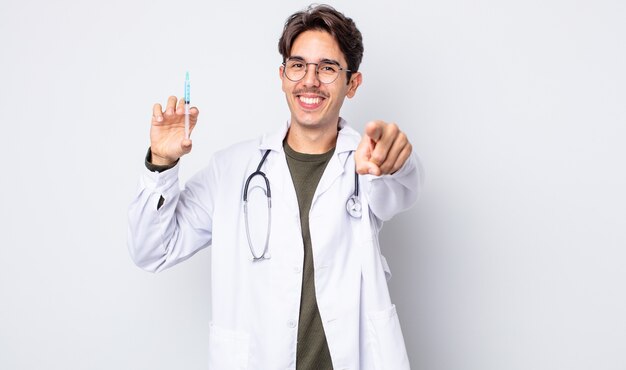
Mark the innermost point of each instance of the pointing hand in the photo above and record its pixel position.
(383, 149)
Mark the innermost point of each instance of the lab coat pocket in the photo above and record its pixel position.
(387, 343)
(228, 349)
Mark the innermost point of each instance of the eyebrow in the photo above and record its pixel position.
(324, 60)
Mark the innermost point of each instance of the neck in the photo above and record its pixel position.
(312, 140)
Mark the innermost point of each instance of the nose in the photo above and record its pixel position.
(310, 76)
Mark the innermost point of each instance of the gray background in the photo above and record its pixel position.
(514, 258)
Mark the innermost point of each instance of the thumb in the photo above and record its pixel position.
(185, 146)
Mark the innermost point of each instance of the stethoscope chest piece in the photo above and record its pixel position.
(353, 206)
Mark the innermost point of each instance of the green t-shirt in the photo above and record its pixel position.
(312, 350)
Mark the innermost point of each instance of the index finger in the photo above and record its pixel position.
(362, 158)
(385, 142)
(374, 130)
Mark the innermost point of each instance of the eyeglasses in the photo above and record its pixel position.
(326, 71)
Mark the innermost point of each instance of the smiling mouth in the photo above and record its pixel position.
(310, 102)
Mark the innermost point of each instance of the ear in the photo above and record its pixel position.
(281, 74)
(355, 81)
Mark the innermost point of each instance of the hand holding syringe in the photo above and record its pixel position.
(170, 128)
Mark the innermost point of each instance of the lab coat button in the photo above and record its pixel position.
(291, 323)
(297, 269)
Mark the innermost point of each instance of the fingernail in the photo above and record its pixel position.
(372, 171)
(159, 118)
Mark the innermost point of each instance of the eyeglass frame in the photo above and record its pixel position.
(317, 69)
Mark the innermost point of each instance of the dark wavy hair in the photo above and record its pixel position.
(324, 18)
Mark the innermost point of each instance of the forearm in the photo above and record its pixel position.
(390, 194)
(163, 222)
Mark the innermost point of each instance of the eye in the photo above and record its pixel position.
(295, 65)
(328, 68)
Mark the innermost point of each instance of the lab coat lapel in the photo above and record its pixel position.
(277, 171)
(347, 142)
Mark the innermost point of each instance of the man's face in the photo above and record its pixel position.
(315, 105)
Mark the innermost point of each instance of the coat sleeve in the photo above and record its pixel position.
(164, 233)
(390, 194)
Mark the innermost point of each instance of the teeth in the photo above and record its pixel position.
(306, 100)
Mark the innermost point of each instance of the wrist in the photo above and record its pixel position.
(158, 164)
(158, 160)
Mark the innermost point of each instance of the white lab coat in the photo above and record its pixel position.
(256, 305)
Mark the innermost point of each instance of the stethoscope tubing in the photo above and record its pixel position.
(353, 206)
(258, 172)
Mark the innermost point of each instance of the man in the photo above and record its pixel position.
(308, 291)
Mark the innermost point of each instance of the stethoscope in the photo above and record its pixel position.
(353, 207)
